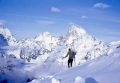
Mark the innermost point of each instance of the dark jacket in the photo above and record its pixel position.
(71, 55)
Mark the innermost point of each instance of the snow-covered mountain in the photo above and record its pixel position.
(6, 36)
(87, 47)
(76, 38)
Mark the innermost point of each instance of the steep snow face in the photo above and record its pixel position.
(47, 39)
(73, 33)
(43, 36)
(76, 31)
(3, 41)
(8, 36)
(5, 32)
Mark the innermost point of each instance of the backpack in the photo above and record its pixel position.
(74, 53)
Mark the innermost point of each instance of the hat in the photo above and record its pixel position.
(69, 49)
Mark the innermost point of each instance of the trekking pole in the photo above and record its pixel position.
(74, 62)
(73, 46)
(74, 51)
(62, 64)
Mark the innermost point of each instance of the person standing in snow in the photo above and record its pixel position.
(71, 57)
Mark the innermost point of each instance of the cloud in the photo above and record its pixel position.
(50, 22)
(84, 17)
(46, 22)
(101, 5)
(53, 9)
(2, 22)
(8, 47)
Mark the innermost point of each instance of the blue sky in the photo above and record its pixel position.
(29, 18)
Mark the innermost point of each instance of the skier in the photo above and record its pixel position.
(71, 57)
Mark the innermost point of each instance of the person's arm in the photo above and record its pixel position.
(65, 56)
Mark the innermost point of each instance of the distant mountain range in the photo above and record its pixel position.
(87, 47)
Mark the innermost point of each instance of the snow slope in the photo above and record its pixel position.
(104, 69)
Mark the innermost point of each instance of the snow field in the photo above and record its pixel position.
(104, 69)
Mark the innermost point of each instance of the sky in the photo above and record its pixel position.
(29, 18)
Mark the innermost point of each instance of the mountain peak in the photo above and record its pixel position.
(41, 36)
(46, 33)
(76, 31)
(8, 35)
(4, 27)
(5, 31)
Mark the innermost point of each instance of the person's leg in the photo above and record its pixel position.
(71, 62)
(68, 63)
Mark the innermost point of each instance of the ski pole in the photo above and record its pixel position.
(62, 63)
(74, 62)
